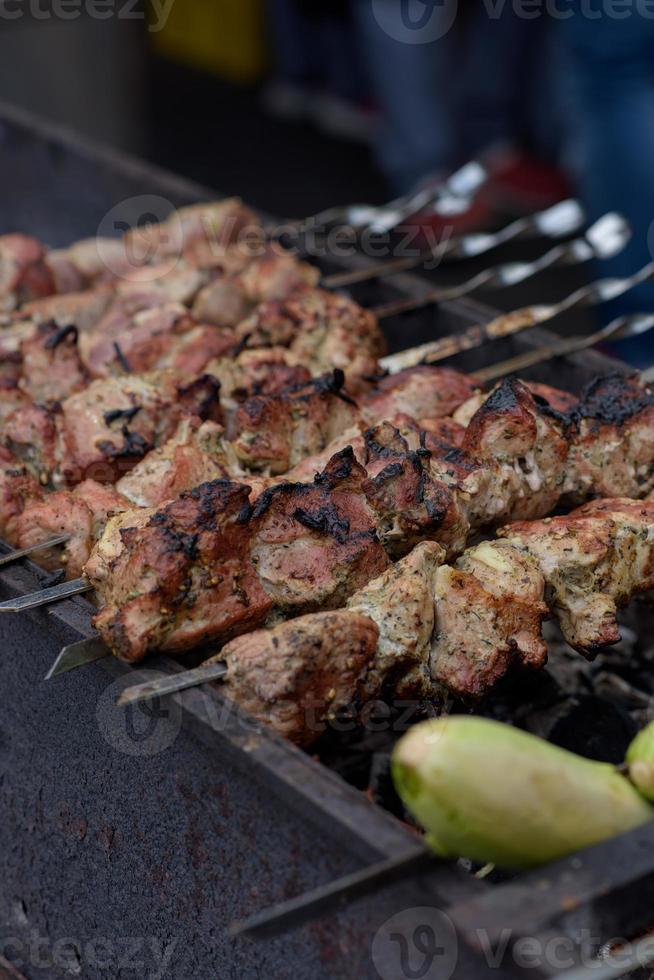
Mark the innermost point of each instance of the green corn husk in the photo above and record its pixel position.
(492, 793)
(640, 760)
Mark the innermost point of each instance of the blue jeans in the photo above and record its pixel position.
(611, 65)
(446, 100)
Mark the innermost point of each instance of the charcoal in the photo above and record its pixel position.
(596, 728)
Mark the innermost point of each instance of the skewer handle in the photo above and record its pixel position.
(436, 350)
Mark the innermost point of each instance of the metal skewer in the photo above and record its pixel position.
(619, 329)
(556, 222)
(604, 239)
(45, 597)
(328, 898)
(41, 546)
(159, 688)
(511, 323)
(451, 195)
(78, 655)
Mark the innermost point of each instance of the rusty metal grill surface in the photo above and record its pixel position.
(224, 818)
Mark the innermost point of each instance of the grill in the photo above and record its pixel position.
(131, 841)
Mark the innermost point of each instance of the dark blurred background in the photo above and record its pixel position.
(297, 105)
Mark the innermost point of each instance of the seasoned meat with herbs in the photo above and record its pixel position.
(593, 561)
(52, 367)
(274, 432)
(425, 391)
(326, 331)
(82, 513)
(107, 428)
(229, 299)
(24, 274)
(196, 453)
(296, 676)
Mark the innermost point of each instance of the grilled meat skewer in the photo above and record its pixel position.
(202, 233)
(199, 451)
(424, 630)
(210, 564)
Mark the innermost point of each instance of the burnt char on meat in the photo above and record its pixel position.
(208, 567)
(107, 428)
(275, 432)
(52, 367)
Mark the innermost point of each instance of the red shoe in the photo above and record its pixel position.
(520, 184)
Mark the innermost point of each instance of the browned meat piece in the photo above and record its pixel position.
(530, 448)
(612, 440)
(326, 331)
(81, 513)
(216, 224)
(197, 453)
(560, 401)
(275, 432)
(222, 303)
(107, 428)
(274, 276)
(425, 391)
(296, 676)
(30, 432)
(83, 309)
(442, 432)
(184, 577)
(415, 499)
(401, 604)
(24, 274)
(593, 561)
(315, 544)
(206, 567)
(203, 229)
(266, 371)
(110, 546)
(17, 488)
(130, 336)
(190, 353)
(52, 369)
(489, 611)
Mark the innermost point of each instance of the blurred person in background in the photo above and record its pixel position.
(610, 65)
(455, 84)
(318, 75)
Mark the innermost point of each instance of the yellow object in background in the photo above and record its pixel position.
(222, 36)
